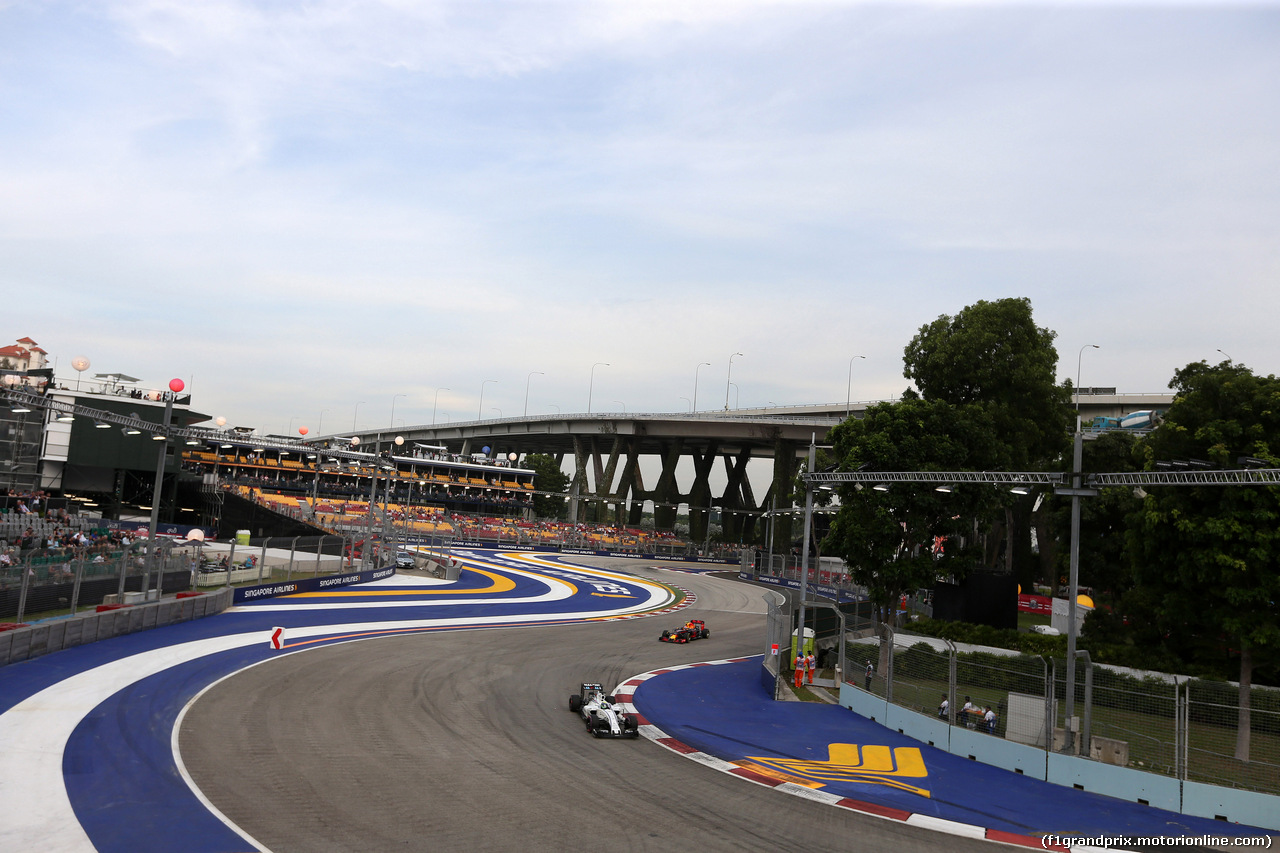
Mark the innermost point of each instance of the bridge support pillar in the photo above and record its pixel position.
(666, 495)
(700, 492)
(578, 484)
(785, 457)
(731, 521)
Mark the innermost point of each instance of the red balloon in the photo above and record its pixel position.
(176, 385)
(303, 430)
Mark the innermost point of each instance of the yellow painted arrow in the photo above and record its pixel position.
(611, 595)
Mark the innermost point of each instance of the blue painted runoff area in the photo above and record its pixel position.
(724, 711)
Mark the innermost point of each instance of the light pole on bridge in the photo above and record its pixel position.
(592, 383)
(693, 407)
(728, 377)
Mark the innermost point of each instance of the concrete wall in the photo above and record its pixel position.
(53, 635)
(1125, 783)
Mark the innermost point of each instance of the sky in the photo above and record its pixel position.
(347, 215)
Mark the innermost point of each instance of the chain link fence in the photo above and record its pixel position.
(1183, 728)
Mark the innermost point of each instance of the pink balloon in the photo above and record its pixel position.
(176, 385)
(303, 430)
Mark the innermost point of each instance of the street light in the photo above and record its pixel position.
(553, 406)
(353, 416)
(690, 402)
(729, 376)
(1079, 361)
(526, 390)
(591, 384)
(1073, 581)
(1229, 358)
(693, 407)
(435, 399)
(480, 410)
(319, 422)
(496, 409)
(623, 405)
(735, 394)
(848, 388)
(393, 408)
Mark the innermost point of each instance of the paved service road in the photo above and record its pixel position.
(463, 740)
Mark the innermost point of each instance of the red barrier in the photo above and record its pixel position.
(188, 594)
(9, 626)
(105, 607)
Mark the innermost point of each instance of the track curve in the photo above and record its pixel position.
(464, 739)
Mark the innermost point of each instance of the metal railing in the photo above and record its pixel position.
(1175, 726)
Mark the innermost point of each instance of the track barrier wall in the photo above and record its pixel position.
(1119, 752)
(41, 638)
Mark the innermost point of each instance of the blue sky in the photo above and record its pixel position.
(298, 207)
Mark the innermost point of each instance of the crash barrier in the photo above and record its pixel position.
(1163, 740)
(41, 638)
(38, 587)
(271, 590)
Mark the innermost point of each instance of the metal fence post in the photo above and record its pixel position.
(1086, 741)
(293, 547)
(262, 560)
(75, 588)
(124, 570)
(27, 571)
(951, 683)
(888, 674)
(231, 560)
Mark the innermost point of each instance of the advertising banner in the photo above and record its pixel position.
(270, 590)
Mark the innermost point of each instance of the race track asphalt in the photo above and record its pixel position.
(463, 741)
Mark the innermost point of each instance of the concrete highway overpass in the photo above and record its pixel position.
(607, 450)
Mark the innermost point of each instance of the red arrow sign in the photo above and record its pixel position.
(277, 638)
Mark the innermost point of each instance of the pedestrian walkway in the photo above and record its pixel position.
(827, 752)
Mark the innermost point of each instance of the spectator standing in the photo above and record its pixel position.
(989, 720)
(944, 707)
(871, 670)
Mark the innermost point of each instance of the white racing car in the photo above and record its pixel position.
(601, 714)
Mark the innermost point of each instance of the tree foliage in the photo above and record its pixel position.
(887, 537)
(547, 477)
(992, 355)
(1207, 557)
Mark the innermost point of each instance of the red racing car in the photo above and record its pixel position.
(694, 629)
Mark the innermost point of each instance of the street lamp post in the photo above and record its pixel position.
(480, 410)
(355, 415)
(320, 421)
(727, 378)
(848, 388)
(735, 395)
(175, 385)
(592, 383)
(693, 407)
(1073, 582)
(526, 390)
(393, 408)
(690, 402)
(623, 405)
(435, 399)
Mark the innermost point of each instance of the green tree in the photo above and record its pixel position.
(886, 536)
(993, 357)
(992, 354)
(547, 477)
(1208, 556)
